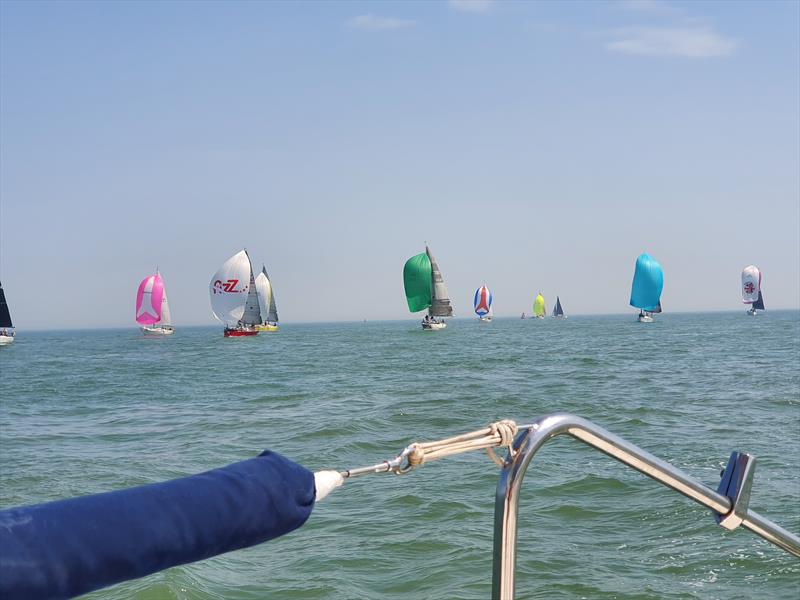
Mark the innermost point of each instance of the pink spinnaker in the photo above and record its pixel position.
(148, 300)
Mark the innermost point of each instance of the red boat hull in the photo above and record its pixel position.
(240, 332)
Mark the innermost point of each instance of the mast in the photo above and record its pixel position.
(440, 300)
(5, 316)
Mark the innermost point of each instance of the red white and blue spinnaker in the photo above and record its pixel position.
(483, 301)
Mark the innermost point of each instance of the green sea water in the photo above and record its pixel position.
(90, 411)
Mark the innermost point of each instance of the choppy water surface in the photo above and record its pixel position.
(85, 412)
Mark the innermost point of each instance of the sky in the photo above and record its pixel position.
(535, 146)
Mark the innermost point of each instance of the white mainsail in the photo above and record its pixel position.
(166, 316)
(229, 288)
(264, 290)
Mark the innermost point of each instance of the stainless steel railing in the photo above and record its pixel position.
(732, 506)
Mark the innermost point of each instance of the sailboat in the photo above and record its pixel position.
(648, 282)
(152, 307)
(424, 287)
(558, 312)
(539, 310)
(234, 300)
(266, 302)
(483, 304)
(6, 336)
(751, 289)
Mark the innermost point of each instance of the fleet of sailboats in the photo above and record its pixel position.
(152, 307)
(483, 304)
(245, 302)
(646, 288)
(424, 287)
(539, 310)
(6, 336)
(751, 289)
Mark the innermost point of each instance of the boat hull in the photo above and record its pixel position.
(485, 319)
(157, 330)
(240, 332)
(433, 326)
(752, 312)
(645, 319)
(5, 340)
(266, 327)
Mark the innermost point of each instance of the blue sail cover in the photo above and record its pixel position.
(70, 547)
(648, 281)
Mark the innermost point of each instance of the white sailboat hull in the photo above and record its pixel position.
(486, 319)
(645, 319)
(157, 330)
(5, 340)
(433, 326)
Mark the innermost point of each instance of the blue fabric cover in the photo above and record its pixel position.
(70, 547)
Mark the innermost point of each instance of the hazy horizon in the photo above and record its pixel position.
(535, 147)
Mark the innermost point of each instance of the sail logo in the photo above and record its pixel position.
(228, 286)
(749, 287)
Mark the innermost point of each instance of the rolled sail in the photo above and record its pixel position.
(71, 547)
(417, 282)
(648, 282)
(751, 284)
(440, 299)
(229, 288)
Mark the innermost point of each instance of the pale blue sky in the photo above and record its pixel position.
(535, 146)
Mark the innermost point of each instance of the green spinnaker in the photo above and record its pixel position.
(417, 281)
(538, 306)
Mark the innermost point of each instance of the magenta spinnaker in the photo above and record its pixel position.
(148, 300)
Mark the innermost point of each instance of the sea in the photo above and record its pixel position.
(91, 411)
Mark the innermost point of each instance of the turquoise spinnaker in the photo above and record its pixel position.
(648, 281)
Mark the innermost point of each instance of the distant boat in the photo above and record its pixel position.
(424, 287)
(266, 302)
(751, 289)
(558, 312)
(483, 304)
(152, 307)
(6, 336)
(234, 300)
(522, 316)
(648, 283)
(539, 310)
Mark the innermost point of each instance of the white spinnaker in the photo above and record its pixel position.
(228, 289)
(166, 317)
(264, 291)
(751, 284)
